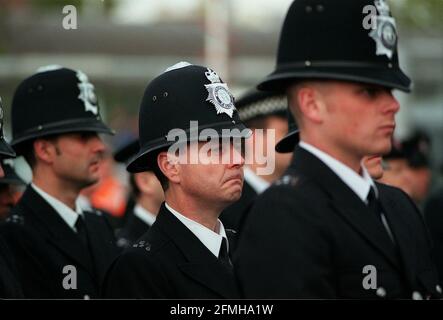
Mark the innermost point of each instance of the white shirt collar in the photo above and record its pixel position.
(257, 183)
(144, 215)
(209, 238)
(359, 184)
(67, 214)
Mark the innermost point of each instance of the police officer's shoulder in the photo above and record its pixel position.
(149, 244)
(123, 242)
(16, 217)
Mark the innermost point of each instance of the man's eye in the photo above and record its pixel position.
(371, 92)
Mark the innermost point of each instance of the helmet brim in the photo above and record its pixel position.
(288, 143)
(281, 79)
(6, 151)
(143, 160)
(60, 128)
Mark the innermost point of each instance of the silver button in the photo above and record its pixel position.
(381, 292)
(438, 288)
(416, 296)
(307, 63)
(86, 297)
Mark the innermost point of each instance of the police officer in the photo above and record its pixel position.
(185, 254)
(265, 114)
(9, 284)
(61, 252)
(147, 191)
(326, 229)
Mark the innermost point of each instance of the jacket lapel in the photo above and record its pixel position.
(54, 228)
(403, 233)
(101, 243)
(346, 203)
(201, 265)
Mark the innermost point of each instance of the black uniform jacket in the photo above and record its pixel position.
(9, 286)
(311, 236)
(169, 261)
(433, 213)
(133, 229)
(46, 250)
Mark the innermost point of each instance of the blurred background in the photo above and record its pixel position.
(123, 44)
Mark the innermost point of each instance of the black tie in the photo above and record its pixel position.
(374, 205)
(81, 230)
(223, 255)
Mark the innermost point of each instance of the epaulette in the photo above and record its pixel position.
(16, 219)
(143, 245)
(97, 212)
(287, 180)
(230, 231)
(123, 243)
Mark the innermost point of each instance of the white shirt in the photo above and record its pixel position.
(257, 183)
(67, 214)
(144, 215)
(209, 238)
(359, 184)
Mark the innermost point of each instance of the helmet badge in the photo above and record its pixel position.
(87, 94)
(385, 33)
(218, 94)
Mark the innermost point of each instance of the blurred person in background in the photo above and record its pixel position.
(11, 186)
(108, 195)
(417, 148)
(10, 287)
(61, 251)
(261, 112)
(396, 169)
(148, 194)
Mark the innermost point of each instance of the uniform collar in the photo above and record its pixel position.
(359, 184)
(209, 238)
(67, 214)
(144, 215)
(257, 183)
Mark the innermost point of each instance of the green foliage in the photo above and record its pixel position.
(419, 14)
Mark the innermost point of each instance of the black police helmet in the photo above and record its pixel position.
(127, 151)
(288, 142)
(334, 39)
(5, 149)
(256, 104)
(183, 93)
(10, 177)
(55, 100)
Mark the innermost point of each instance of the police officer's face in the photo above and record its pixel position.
(357, 119)
(78, 158)
(216, 184)
(374, 166)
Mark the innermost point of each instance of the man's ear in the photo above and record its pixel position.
(169, 166)
(310, 103)
(141, 179)
(44, 150)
